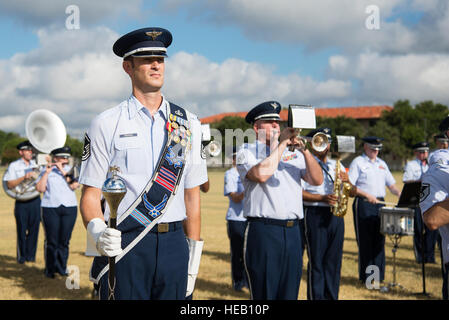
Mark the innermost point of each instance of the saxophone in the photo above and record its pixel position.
(342, 190)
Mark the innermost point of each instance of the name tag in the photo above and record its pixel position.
(127, 135)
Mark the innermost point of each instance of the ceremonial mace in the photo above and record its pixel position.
(114, 189)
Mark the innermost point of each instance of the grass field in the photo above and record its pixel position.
(214, 281)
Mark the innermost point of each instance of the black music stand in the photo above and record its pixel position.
(410, 198)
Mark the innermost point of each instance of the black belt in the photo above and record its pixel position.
(277, 222)
(167, 227)
(365, 199)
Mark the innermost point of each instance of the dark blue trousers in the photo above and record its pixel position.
(27, 214)
(430, 239)
(370, 240)
(236, 235)
(58, 226)
(445, 270)
(154, 269)
(273, 259)
(325, 235)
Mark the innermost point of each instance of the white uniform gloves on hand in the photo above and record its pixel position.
(108, 241)
(195, 250)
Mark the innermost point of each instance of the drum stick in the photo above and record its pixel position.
(387, 203)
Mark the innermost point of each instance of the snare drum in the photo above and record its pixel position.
(396, 221)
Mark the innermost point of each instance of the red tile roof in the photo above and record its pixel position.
(360, 113)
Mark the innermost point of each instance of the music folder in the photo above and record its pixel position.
(410, 195)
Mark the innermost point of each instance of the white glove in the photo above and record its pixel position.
(108, 241)
(195, 250)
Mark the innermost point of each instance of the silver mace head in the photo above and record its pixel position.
(114, 189)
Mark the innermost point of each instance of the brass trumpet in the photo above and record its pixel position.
(318, 142)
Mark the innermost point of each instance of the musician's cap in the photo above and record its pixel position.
(62, 152)
(326, 131)
(24, 145)
(441, 138)
(374, 143)
(268, 110)
(421, 146)
(145, 42)
(444, 125)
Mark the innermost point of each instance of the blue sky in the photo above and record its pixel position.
(226, 55)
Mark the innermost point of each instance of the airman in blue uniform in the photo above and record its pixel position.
(323, 230)
(413, 171)
(26, 213)
(370, 175)
(59, 210)
(434, 202)
(159, 262)
(271, 176)
(236, 223)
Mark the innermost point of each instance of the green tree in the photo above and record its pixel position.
(76, 146)
(9, 150)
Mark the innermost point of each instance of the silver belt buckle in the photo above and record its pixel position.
(162, 227)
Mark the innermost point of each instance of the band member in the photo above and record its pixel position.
(236, 223)
(370, 175)
(59, 210)
(143, 135)
(434, 203)
(324, 231)
(413, 171)
(271, 176)
(26, 213)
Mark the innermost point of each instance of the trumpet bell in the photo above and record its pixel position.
(319, 142)
(45, 130)
(213, 148)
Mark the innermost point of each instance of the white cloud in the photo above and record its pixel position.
(81, 81)
(322, 24)
(65, 75)
(235, 85)
(44, 13)
(416, 77)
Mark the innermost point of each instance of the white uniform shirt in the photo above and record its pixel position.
(18, 168)
(432, 153)
(371, 177)
(327, 187)
(413, 170)
(128, 136)
(58, 191)
(233, 183)
(280, 197)
(435, 188)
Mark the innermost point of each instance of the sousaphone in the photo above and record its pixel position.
(46, 132)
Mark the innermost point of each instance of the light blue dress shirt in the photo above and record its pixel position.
(435, 188)
(58, 191)
(280, 197)
(327, 187)
(371, 177)
(414, 170)
(18, 168)
(232, 183)
(128, 136)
